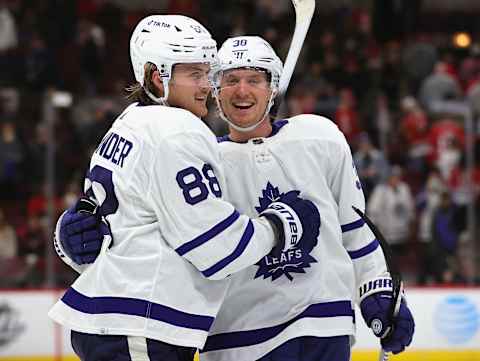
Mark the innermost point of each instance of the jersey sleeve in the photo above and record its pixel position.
(359, 241)
(196, 221)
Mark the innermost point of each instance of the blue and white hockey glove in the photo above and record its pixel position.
(297, 222)
(376, 305)
(80, 233)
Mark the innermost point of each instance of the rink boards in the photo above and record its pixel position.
(447, 327)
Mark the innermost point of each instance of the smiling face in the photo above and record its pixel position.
(244, 95)
(189, 88)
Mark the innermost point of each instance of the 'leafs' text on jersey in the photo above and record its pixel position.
(292, 261)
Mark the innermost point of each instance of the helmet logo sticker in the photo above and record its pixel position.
(197, 28)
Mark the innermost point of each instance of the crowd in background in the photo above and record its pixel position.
(378, 72)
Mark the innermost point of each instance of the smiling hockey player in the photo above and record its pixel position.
(157, 178)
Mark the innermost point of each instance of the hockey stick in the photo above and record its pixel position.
(397, 284)
(304, 10)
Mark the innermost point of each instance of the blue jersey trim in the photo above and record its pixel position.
(205, 237)
(276, 126)
(246, 237)
(354, 225)
(369, 248)
(253, 337)
(135, 307)
(223, 138)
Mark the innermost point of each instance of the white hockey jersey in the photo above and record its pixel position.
(305, 292)
(157, 177)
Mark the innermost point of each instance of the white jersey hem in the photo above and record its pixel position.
(337, 326)
(80, 322)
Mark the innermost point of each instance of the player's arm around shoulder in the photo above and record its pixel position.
(185, 191)
(187, 194)
(206, 229)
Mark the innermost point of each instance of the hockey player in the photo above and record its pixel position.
(156, 287)
(296, 307)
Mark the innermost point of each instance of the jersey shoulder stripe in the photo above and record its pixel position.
(208, 235)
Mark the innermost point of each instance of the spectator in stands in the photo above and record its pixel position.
(12, 268)
(428, 201)
(91, 132)
(446, 228)
(31, 248)
(91, 41)
(9, 102)
(347, 117)
(465, 184)
(469, 70)
(441, 134)
(392, 76)
(382, 123)
(8, 29)
(32, 237)
(11, 157)
(449, 158)
(39, 69)
(372, 167)
(473, 97)
(419, 59)
(8, 239)
(37, 151)
(8, 41)
(392, 209)
(414, 132)
(438, 86)
(304, 99)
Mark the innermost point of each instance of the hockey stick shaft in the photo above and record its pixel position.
(384, 355)
(304, 10)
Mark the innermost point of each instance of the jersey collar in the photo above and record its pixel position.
(276, 126)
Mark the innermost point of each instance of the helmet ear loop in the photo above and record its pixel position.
(216, 94)
(163, 99)
(273, 95)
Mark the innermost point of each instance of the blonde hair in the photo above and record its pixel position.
(136, 91)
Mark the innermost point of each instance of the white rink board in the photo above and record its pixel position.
(446, 319)
(30, 330)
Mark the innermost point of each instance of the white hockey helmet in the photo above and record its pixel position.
(166, 40)
(248, 52)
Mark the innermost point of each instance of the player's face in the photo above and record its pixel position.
(244, 95)
(189, 88)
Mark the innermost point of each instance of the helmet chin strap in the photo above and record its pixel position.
(159, 100)
(250, 127)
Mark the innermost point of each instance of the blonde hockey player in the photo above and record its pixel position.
(298, 306)
(156, 177)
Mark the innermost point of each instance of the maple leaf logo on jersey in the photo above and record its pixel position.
(292, 261)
